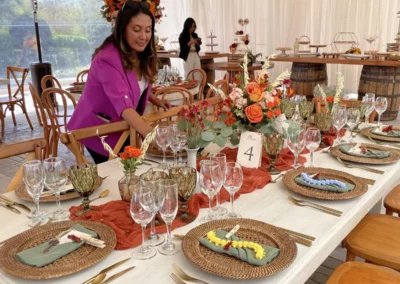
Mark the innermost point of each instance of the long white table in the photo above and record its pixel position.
(269, 204)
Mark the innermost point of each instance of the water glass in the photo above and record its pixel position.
(182, 138)
(369, 100)
(55, 178)
(381, 105)
(168, 211)
(233, 182)
(33, 177)
(142, 217)
(339, 120)
(296, 142)
(163, 140)
(210, 180)
(313, 139)
(175, 143)
(220, 159)
(353, 119)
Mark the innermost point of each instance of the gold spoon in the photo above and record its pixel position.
(99, 278)
(103, 194)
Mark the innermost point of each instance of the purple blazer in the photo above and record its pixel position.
(109, 90)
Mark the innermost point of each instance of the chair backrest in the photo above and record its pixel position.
(50, 81)
(18, 75)
(63, 100)
(36, 149)
(177, 95)
(222, 84)
(82, 76)
(201, 75)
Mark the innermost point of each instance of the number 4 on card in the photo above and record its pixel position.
(250, 149)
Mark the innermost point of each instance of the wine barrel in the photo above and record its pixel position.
(383, 81)
(305, 76)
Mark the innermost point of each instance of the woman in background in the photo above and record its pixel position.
(189, 43)
(119, 82)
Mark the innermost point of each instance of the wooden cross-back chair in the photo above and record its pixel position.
(18, 76)
(184, 94)
(36, 149)
(82, 76)
(222, 84)
(58, 116)
(201, 75)
(72, 138)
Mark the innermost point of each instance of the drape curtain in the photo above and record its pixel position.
(275, 23)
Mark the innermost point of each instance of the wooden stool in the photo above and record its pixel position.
(376, 239)
(357, 272)
(392, 201)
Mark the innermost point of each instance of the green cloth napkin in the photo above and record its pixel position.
(36, 258)
(244, 254)
(334, 188)
(377, 154)
(391, 133)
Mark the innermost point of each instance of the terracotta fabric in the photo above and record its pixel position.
(116, 214)
(331, 136)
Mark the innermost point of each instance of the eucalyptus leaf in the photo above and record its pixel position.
(220, 141)
(234, 139)
(184, 125)
(207, 123)
(218, 125)
(207, 136)
(203, 143)
(266, 129)
(226, 132)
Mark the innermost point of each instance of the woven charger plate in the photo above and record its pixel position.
(230, 267)
(367, 132)
(360, 186)
(82, 258)
(394, 155)
(22, 193)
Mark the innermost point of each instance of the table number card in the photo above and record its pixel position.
(250, 149)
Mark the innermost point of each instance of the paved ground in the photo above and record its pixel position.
(22, 132)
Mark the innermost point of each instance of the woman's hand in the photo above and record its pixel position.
(164, 104)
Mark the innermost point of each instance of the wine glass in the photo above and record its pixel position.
(353, 118)
(33, 178)
(297, 99)
(164, 39)
(168, 211)
(381, 105)
(369, 100)
(210, 181)
(55, 178)
(142, 217)
(149, 185)
(163, 134)
(233, 182)
(175, 143)
(370, 39)
(175, 74)
(339, 119)
(182, 138)
(296, 142)
(161, 77)
(313, 139)
(220, 159)
(83, 177)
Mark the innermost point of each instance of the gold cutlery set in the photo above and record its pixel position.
(349, 165)
(180, 275)
(10, 205)
(98, 278)
(328, 210)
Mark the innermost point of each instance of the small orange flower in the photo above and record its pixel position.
(124, 156)
(255, 92)
(134, 153)
(270, 114)
(330, 99)
(254, 113)
(278, 111)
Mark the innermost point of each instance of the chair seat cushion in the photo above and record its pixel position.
(376, 238)
(358, 272)
(392, 200)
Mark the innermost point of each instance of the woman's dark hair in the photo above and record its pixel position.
(187, 25)
(148, 57)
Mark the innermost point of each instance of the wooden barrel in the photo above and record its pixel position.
(383, 81)
(305, 76)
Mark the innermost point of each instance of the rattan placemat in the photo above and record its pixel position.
(394, 155)
(77, 260)
(359, 189)
(367, 132)
(230, 267)
(154, 152)
(22, 193)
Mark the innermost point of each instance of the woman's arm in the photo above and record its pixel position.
(136, 121)
(166, 105)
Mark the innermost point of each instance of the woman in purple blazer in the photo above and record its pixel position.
(120, 77)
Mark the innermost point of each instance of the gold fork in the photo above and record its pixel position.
(184, 276)
(383, 143)
(176, 279)
(324, 209)
(347, 165)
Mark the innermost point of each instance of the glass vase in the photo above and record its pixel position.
(128, 184)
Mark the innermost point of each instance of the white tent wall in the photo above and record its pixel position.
(275, 23)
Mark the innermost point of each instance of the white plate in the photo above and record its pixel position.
(355, 56)
(307, 54)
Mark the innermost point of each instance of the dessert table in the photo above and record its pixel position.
(233, 67)
(380, 77)
(269, 205)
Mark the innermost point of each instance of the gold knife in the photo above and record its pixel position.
(105, 270)
(15, 210)
(116, 275)
(10, 202)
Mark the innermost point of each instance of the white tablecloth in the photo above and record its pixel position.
(269, 204)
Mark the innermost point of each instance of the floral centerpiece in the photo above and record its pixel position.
(111, 8)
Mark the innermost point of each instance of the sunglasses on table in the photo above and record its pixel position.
(132, 4)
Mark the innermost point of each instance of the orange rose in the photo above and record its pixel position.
(254, 113)
(255, 92)
(124, 156)
(278, 112)
(270, 114)
(134, 153)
